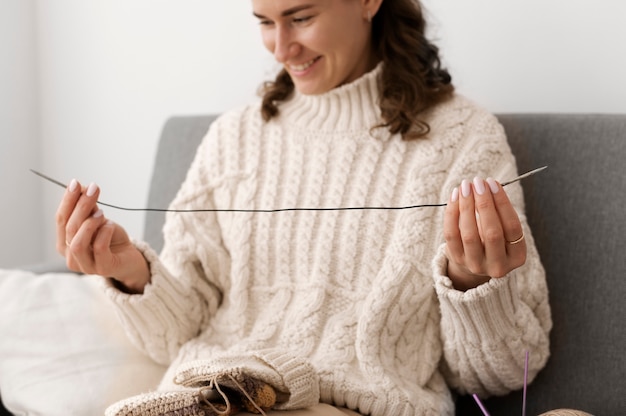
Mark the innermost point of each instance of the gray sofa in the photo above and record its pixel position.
(577, 210)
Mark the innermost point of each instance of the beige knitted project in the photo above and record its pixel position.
(351, 308)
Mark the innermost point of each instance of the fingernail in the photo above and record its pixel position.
(479, 185)
(455, 195)
(98, 214)
(465, 188)
(493, 185)
(73, 185)
(91, 190)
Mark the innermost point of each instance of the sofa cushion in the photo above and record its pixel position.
(62, 350)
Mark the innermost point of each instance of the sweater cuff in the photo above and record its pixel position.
(480, 315)
(158, 302)
(294, 379)
(152, 289)
(298, 376)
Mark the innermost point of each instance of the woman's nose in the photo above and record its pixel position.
(284, 45)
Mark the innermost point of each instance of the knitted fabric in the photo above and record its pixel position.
(172, 403)
(351, 308)
(223, 394)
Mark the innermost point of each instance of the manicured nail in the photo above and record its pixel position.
(91, 190)
(98, 214)
(455, 195)
(493, 185)
(73, 185)
(479, 185)
(465, 188)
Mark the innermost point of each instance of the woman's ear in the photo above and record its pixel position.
(370, 8)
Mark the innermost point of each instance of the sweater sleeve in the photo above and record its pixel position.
(294, 379)
(486, 331)
(188, 277)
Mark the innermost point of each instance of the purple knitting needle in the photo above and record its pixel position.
(525, 385)
(480, 404)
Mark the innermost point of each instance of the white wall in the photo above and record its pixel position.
(20, 213)
(535, 55)
(111, 72)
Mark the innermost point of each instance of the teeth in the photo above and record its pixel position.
(303, 66)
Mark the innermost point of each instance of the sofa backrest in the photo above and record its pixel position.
(577, 212)
(180, 137)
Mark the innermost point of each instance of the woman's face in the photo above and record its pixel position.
(321, 43)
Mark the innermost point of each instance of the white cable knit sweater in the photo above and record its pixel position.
(351, 308)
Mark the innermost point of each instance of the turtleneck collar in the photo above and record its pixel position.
(349, 107)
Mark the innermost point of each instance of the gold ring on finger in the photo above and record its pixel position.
(519, 240)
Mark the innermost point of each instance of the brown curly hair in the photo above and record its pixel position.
(412, 80)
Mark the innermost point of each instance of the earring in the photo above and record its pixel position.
(369, 16)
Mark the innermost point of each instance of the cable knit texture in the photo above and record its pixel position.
(350, 308)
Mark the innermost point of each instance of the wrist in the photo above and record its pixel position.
(462, 279)
(134, 280)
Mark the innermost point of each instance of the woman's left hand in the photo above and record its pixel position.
(483, 233)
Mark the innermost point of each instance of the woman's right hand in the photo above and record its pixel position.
(91, 244)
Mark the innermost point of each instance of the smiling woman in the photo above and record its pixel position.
(314, 61)
(373, 312)
(304, 39)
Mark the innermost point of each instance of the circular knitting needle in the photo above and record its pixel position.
(61, 184)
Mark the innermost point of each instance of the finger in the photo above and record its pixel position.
(102, 253)
(468, 225)
(85, 206)
(81, 249)
(496, 262)
(511, 224)
(63, 213)
(451, 232)
(513, 231)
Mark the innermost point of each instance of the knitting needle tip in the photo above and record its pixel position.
(48, 178)
(525, 175)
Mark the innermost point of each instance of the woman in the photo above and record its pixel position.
(373, 311)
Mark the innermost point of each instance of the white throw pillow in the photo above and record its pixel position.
(62, 349)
